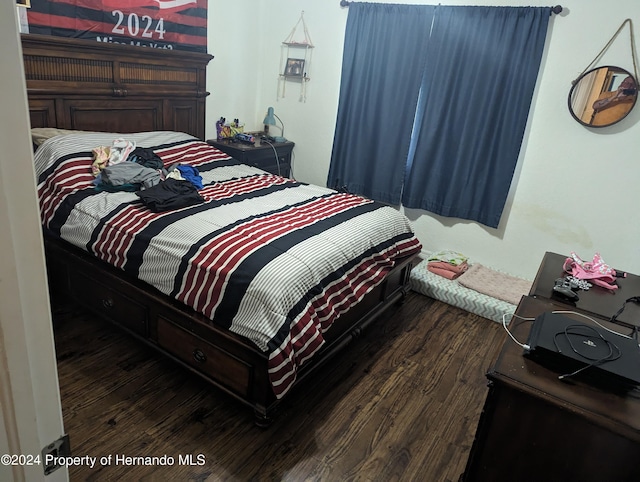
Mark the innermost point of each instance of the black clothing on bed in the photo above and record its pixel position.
(170, 194)
(146, 157)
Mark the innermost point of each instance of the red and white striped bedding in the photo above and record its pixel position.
(269, 258)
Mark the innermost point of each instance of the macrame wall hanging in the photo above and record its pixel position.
(295, 60)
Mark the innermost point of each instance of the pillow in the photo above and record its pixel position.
(41, 134)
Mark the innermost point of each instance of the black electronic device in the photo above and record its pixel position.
(589, 353)
(564, 289)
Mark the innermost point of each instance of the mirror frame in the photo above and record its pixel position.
(590, 100)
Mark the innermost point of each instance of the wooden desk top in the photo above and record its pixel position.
(598, 301)
(620, 414)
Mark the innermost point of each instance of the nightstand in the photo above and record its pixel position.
(260, 155)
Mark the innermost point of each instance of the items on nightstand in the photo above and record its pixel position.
(245, 138)
(226, 130)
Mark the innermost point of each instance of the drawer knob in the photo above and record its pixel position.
(108, 303)
(199, 356)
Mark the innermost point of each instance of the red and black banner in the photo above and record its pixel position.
(164, 24)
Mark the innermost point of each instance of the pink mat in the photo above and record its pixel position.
(495, 284)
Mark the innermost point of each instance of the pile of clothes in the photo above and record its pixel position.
(449, 264)
(125, 167)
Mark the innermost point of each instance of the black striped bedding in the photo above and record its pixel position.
(269, 258)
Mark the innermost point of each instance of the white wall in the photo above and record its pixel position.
(575, 188)
(29, 393)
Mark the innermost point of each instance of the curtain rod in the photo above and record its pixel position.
(557, 9)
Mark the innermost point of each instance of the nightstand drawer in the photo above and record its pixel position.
(280, 166)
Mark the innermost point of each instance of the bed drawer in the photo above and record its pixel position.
(206, 358)
(109, 303)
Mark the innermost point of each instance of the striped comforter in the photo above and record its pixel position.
(269, 258)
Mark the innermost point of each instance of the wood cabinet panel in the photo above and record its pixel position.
(74, 84)
(182, 114)
(142, 115)
(109, 303)
(42, 113)
(206, 358)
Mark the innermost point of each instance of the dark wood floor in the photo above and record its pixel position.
(401, 404)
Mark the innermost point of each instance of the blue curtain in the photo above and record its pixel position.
(482, 65)
(382, 67)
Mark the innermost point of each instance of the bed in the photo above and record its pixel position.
(201, 282)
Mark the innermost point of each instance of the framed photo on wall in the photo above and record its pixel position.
(23, 3)
(294, 68)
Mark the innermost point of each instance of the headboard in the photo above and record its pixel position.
(87, 85)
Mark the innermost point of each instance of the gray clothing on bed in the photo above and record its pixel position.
(130, 173)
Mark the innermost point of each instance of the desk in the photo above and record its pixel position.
(261, 154)
(535, 427)
(597, 300)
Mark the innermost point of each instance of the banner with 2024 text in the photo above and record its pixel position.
(164, 24)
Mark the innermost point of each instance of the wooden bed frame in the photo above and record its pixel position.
(78, 84)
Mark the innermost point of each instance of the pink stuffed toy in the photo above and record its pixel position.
(597, 271)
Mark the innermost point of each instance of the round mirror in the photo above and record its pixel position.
(603, 96)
